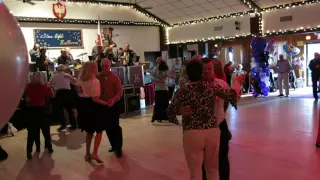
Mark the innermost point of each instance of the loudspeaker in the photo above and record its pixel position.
(254, 25)
(132, 102)
(173, 53)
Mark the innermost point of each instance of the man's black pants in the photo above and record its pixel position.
(315, 86)
(113, 128)
(224, 166)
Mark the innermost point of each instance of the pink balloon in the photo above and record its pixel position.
(13, 64)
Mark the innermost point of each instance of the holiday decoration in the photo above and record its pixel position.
(59, 10)
(14, 64)
(291, 50)
(260, 70)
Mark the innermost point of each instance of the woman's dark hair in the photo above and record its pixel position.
(163, 66)
(194, 70)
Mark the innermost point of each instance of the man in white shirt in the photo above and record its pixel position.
(283, 68)
(60, 82)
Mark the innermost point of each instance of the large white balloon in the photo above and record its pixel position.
(13, 64)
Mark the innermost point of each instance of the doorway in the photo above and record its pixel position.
(311, 48)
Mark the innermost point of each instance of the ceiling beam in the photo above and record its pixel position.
(251, 5)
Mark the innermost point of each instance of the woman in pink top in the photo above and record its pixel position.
(89, 101)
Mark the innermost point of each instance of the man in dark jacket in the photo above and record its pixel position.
(314, 66)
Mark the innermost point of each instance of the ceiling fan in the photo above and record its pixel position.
(29, 2)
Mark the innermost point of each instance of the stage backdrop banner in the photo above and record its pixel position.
(58, 38)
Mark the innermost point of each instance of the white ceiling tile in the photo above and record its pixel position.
(168, 7)
(219, 4)
(143, 4)
(179, 13)
(155, 10)
(208, 6)
(189, 2)
(159, 2)
(216, 12)
(151, 3)
(232, 2)
(227, 10)
(188, 11)
(197, 9)
(179, 4)
(200, 1)
(240, 8)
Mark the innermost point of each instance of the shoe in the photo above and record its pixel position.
(118, 154)
(318, 145)
(96, 158)
(29, 156)
(281, 95)
(111, 150)
(73, 128)
(50, 150)
(61, 128)
(88, 158)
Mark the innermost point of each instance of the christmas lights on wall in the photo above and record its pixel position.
(213, 18)
(292, 31)
(291, 5)
(137, 8)
(222, 38)
(84, 21)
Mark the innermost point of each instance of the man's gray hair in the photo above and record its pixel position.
(61, 67)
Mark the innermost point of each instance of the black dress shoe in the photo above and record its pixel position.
(111, 150)
(281, 95)
(29, 156)
(118, 154)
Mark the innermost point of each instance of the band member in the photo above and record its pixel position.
(34, 52)
(100, 55)
(314, 66)
(42, 60)
(128, 56)
(107, 39)
(111, 92)
(95, 52)
(64, 58)
(69, 54)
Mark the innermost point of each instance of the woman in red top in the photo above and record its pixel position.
(36, 95)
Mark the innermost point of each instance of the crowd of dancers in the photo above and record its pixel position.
(96, 107)
(202, 99)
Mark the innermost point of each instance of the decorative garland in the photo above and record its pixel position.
(84, 21)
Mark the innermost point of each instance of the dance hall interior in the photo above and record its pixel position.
(159, 90)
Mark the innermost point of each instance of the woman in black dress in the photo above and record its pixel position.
(88, 111)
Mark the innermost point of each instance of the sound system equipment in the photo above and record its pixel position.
(173, 51)
(130, 101)
(254, 25)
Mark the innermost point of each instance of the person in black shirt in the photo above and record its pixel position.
(314, 66)
(42, 60)
(64, 58)
(34, 52)
(99, 57)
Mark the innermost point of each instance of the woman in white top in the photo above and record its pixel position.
(89, 102)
